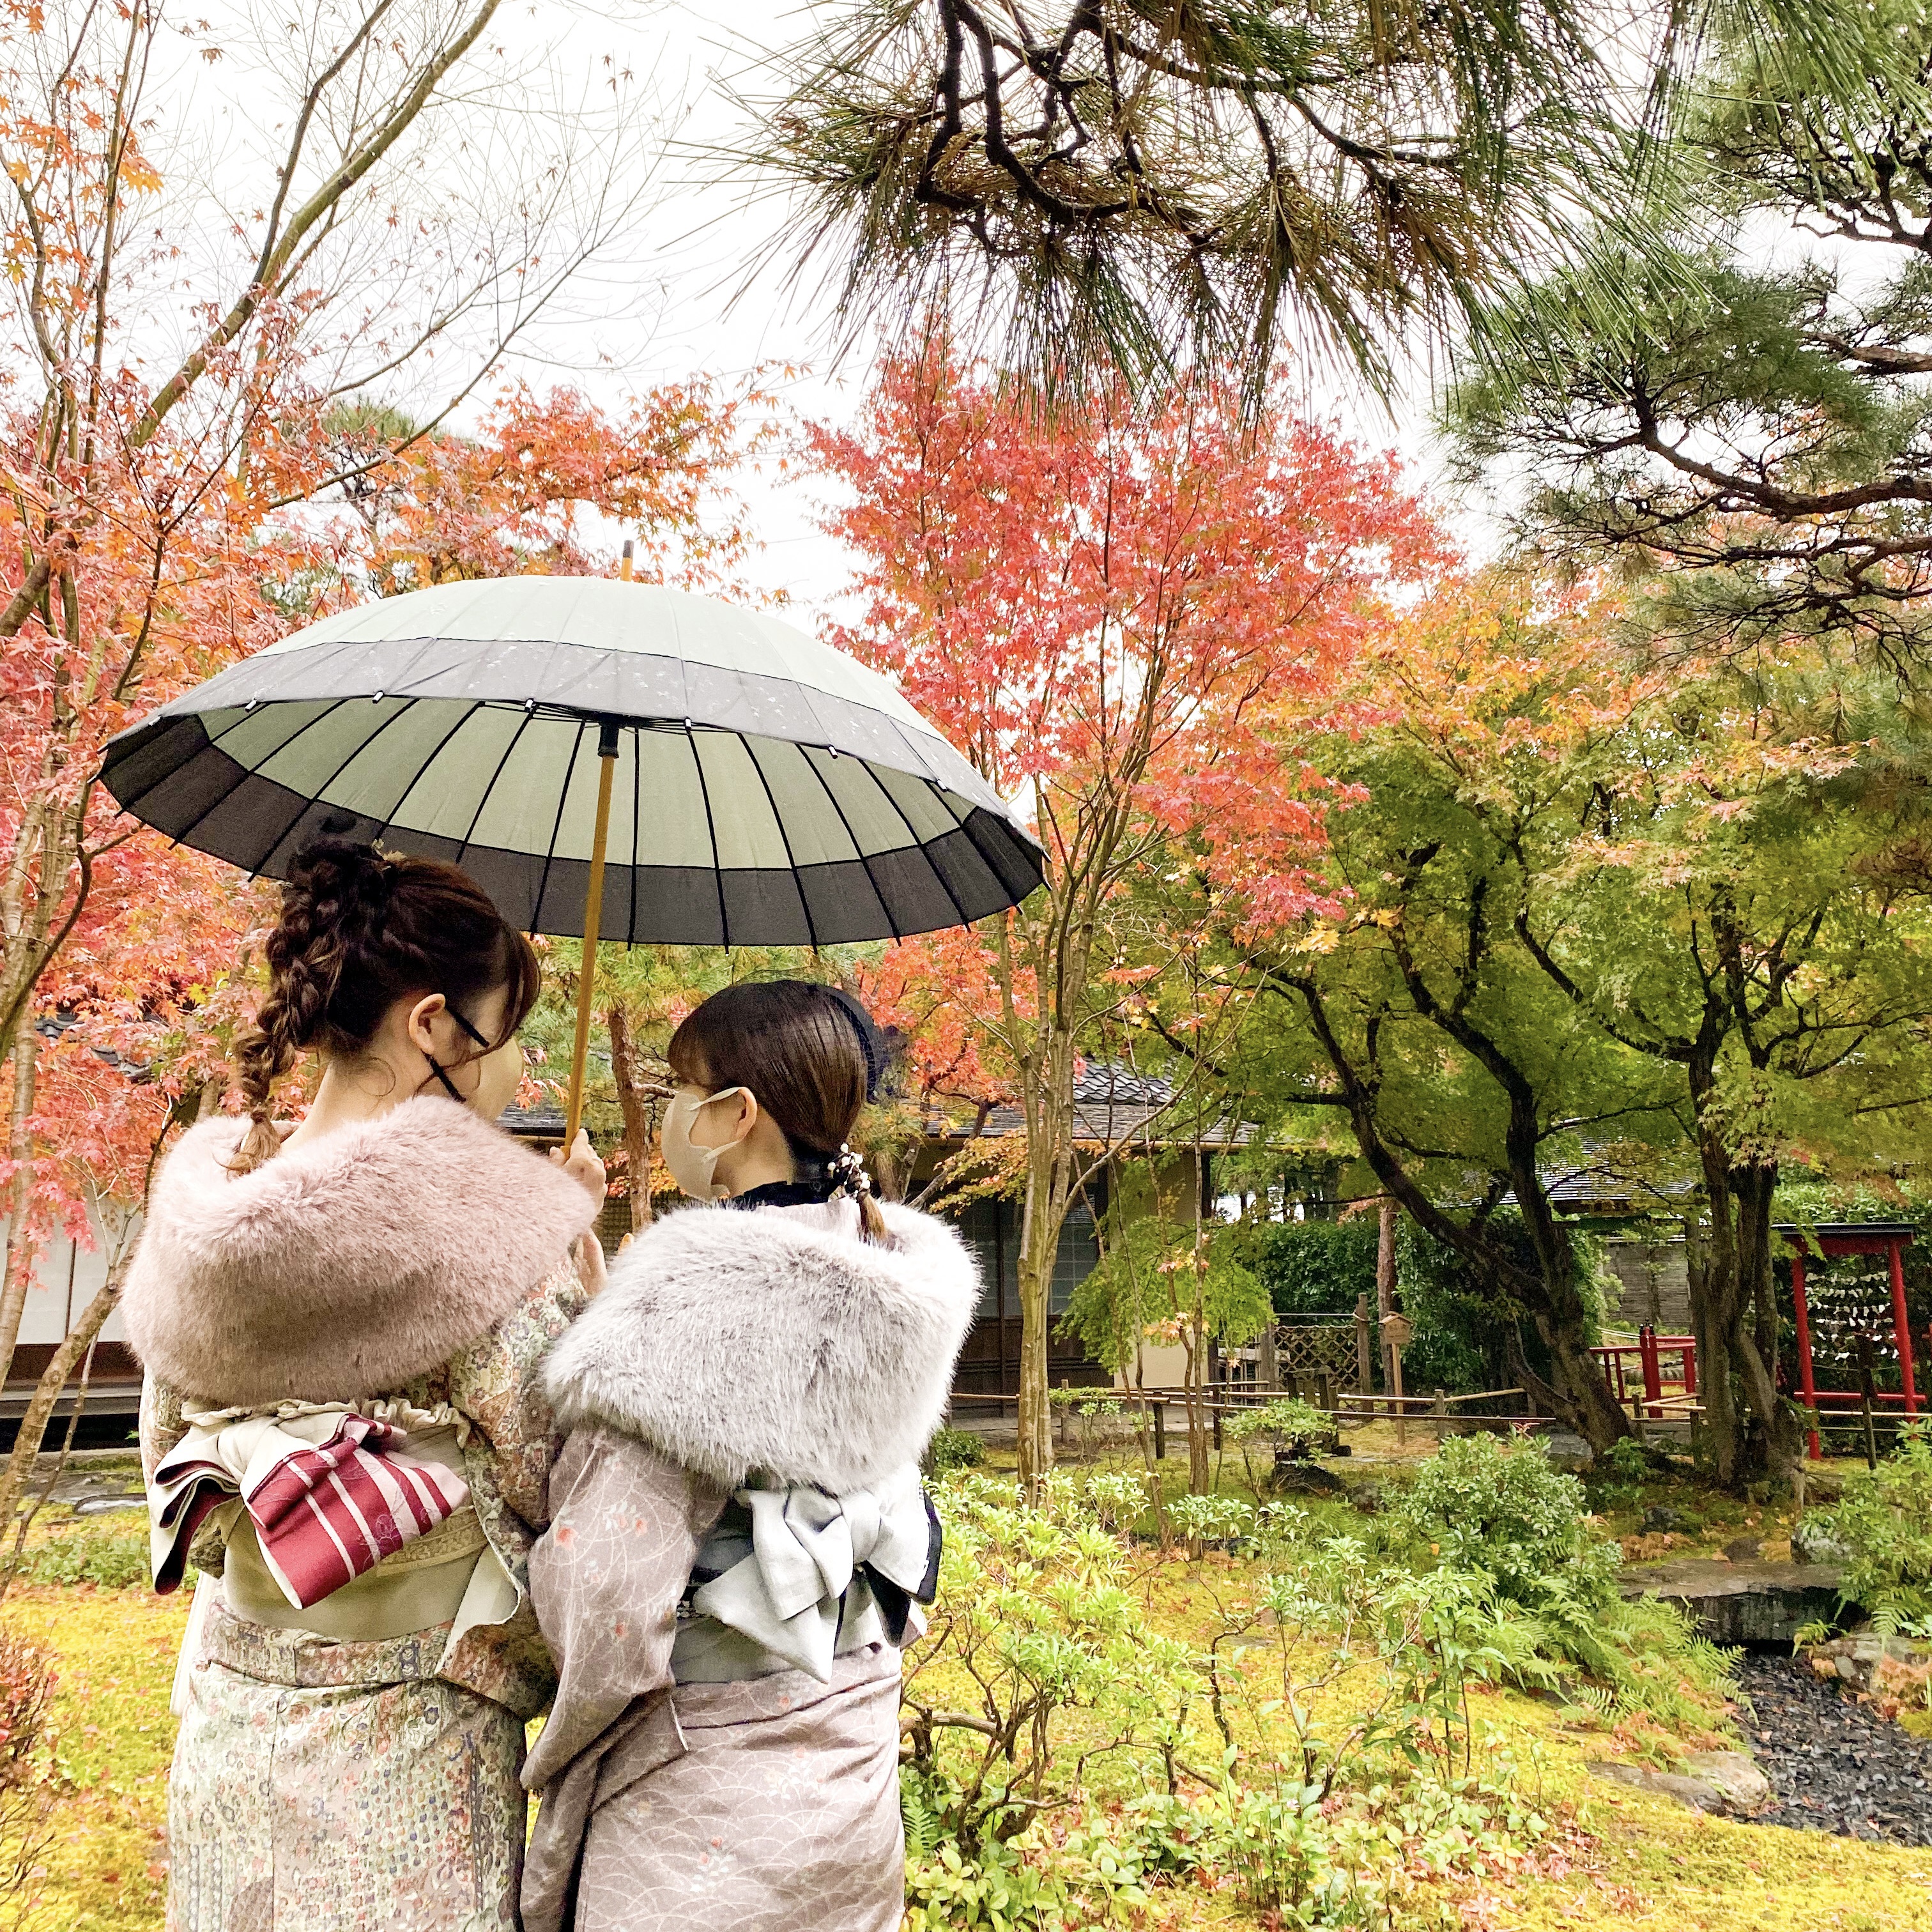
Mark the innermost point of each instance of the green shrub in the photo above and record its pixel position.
(109, 1558)
(1299, 1430)
(1315, 1267)
(1885, 1521)
(1042, 1646)
(953, 1449)
(1507, 1518)
(1510, 1514)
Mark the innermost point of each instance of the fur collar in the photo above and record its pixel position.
(776, 1340)
(344, 1268)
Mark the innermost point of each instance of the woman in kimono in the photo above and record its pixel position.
(341, 1327)
(739, 1543)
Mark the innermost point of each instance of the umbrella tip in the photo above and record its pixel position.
(629, 551)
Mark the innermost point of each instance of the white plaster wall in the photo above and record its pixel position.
(66, 1278)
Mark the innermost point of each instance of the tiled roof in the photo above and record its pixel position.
(1112, 1105)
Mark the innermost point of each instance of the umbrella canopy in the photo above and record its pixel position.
(766, 789)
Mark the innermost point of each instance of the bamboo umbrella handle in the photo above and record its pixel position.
(593, 918)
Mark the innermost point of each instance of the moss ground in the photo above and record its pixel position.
(1624, 1860)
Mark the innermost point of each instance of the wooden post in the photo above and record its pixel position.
(1160, 1432)
(1268, 1369)
(1653, 1368)
(1439, 1416)
(1398, 1331)
(1386, 1224)
(1901, 1328)
(1808, 1386)
(1867, 1397)
(1365, 1365)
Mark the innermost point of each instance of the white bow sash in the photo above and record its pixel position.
(799, 1593)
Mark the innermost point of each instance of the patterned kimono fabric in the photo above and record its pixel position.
(352, 1764)
(738, 1545)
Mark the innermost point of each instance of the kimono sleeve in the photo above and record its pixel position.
(162, 1426)
(496, 1383)
(607, 1578)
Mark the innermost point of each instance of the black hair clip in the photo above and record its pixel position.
(872, 1042)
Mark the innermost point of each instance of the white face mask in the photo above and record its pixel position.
(692, 1167)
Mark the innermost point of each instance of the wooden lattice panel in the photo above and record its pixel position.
(1326, 1349)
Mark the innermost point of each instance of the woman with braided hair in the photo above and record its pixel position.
(341, 1325)
(738, 1544)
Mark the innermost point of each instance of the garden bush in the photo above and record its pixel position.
(1510, 1514)
(1884, 1520)
(26, 1692)
(1507, 1517)
(952, 1449)
(1067, 1759)
(109, 1558)
(1314, 1268)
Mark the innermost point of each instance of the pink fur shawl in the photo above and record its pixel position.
(344, 1268)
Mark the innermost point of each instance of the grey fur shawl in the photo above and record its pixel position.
(776, 1340)
(346, 1268)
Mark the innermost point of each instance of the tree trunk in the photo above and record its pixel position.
(1386, 1218)
(1750, 1432)
(18, 1272)
(19, 1471)
(638, 1114)
(1035, 1438)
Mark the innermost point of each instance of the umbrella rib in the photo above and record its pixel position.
(785, 839)
(711, 832)
(162, 778)
(194, 824)
(476, 817)
(918, 843)
(422, 770)
(832, 798)
(563, 799)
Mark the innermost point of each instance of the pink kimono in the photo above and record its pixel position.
(738, 1546)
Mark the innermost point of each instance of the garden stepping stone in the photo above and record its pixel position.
(1723, 1783)
(1742, 1603)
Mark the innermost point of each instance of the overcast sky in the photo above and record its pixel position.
(671, 298)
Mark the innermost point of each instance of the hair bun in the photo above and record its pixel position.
(339, 869)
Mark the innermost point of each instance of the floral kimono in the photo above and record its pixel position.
(739, 1546)
(342, 1418)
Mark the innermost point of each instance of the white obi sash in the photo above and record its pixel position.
(817, 1575)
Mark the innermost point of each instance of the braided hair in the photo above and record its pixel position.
(359, 930)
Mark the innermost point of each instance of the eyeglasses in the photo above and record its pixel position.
(437, 1067)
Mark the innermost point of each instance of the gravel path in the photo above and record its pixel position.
(1834, 1765)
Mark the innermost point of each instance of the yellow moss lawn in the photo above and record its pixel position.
(1628, 1861)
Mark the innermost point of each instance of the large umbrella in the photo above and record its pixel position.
(607, 759)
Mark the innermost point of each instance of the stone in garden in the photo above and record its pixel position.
(1306, 1479)
(1854, 1660)
(1723, 1783)
(1660, 1519)
(1743, 1549)
(1813, 1542)
(1734, 1775)
(1565, 1451)
(1742, 1603)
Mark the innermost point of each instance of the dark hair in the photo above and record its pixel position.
(801, 1050)
(359, 930)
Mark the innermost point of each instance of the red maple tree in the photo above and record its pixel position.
(1128, 617)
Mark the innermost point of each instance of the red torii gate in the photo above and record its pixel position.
(1889, 1238)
